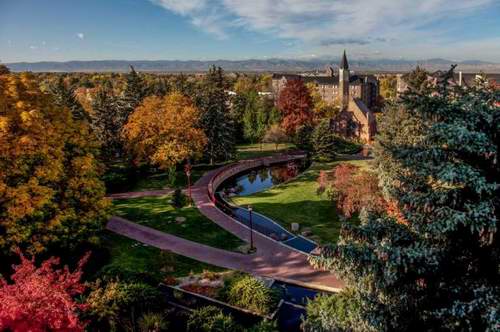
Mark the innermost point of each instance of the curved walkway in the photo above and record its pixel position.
(272, 259)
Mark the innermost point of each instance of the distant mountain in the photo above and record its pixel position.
(252, 65)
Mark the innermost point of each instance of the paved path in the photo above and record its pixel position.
(271, 259)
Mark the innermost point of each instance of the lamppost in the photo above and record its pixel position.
(251, 228)
(187, 170)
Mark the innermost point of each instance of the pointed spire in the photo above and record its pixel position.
(344, 64)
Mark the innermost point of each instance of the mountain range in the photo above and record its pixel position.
(251, 65)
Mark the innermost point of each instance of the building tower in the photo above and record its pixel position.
(344, 82)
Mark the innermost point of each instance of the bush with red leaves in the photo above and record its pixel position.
(353, 189)
(42, 299)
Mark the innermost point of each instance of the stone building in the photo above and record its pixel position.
(356, 95)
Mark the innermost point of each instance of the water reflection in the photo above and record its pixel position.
(261, 179)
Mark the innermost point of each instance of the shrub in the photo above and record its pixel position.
(252, 294)
(115, 301)
(152, 322)
(178, 199)
(332, 312)
(211, 319)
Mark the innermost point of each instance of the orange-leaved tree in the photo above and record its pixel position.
(50, 192)
(164, 131)
(296, 106)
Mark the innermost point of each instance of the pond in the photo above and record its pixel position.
(260, 179)
(256, 180)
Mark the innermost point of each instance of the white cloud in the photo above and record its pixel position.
(80, 35)
(326, 23)
(33, 47)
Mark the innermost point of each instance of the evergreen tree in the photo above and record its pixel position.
(108, 120)
(65, 97)
(216, 120)
(134, 93)
(438, 267)
(323, 141)
(238, 105)
(250, 125)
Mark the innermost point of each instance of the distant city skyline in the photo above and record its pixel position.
(61, 30)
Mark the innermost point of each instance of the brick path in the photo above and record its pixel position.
(271, 259)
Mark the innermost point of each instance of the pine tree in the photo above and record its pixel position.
(108, 119)
(216, 120)
(134, 93)
(437, 268)
(65, 97)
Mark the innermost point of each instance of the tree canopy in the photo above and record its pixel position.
(164, 131)
(50, 192)
(296, 106)
(437, 269)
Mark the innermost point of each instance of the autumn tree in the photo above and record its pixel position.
(215, 119)
(42, 298)
(164, 131)
(388, 87)
(321, 108)
(50, 192)
(352, 190)
(275, 134)
(296, 106)
(437, 157)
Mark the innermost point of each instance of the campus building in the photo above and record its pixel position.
(356, 95)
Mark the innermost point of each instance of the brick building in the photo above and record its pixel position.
(356, 94)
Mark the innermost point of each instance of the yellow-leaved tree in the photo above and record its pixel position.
(164, 131)
(50, 192)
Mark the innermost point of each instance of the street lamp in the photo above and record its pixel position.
(251, 228)
(187, 170)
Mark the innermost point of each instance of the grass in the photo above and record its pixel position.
(158, 213)
(297, 201)
(250, 151)
(131, 260)
(159, 180)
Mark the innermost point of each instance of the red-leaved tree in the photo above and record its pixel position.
(353, 189)
(42, 299)
(296, 106)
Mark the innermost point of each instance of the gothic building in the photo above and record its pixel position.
(356, 95)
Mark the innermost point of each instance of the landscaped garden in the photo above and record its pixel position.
(298, 201)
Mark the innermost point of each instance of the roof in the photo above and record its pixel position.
(343, 63)
(321, 80)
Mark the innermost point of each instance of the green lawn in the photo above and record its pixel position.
(158, 213)
(298, 201)
(249, 151)
(159, 180)
(131, 260)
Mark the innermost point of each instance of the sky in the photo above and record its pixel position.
(63, 30)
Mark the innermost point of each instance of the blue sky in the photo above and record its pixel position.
(60, 30)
